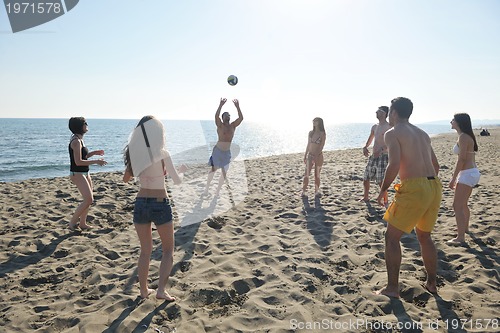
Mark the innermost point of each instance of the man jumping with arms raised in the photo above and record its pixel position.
(221, 154)
(417, 199)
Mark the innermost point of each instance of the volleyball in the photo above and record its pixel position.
(232, 80)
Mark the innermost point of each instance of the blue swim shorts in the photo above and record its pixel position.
(220, 158)
(147, 210)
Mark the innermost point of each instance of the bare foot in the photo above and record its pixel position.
(455, 241)
(149, 292)
(86, 227)
(364, 200)
(432, 289)
(387, 293)
(72, 227)
(164, 295)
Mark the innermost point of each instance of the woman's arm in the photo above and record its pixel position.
(77, 155)
(127, 175)
(462, 158)
(176, 176)
(96, 152)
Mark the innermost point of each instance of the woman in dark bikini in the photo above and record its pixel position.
(314, 155)
(79, 170)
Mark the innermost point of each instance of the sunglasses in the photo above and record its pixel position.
(85, 123)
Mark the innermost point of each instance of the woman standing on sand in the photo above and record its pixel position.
(145, 157)
(466, 174)
(79, 170)
(314, 155)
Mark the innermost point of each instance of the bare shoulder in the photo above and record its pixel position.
(463, 139)
(75, 143)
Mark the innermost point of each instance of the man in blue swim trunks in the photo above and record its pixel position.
(221, 154)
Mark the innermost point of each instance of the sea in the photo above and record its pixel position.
(38, 148)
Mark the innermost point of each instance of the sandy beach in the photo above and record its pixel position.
(262, 259)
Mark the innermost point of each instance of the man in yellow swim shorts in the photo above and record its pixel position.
(417, 199)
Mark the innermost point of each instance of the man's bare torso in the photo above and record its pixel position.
(226, 134)
(379, 146)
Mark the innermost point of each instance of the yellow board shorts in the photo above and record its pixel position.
(416, 203)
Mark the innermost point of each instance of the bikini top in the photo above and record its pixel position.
(456, 150)
(153, 177)
(317, 141)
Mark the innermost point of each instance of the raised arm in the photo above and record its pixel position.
(238, 121)
(218, 122)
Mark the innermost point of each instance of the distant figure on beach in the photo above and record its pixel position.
(313, 157)
(377, 161)
(466, 174)
(484, 132)
(146, 158)
(79, 171)
(418, 197)
(221, 153)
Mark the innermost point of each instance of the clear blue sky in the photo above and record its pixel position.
(337, 59)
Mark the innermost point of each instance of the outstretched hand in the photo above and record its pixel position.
(236, 103)
(222, 101)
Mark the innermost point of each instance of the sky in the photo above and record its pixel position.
(295, 60)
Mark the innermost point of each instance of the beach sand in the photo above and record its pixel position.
(262, 260)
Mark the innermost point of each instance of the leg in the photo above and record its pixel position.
(305, 183)
(209, 179)
(317, 169)
(222, 179)
(145, 238)
(166, 232)
(366, 191)
(85, 188)
(392, 261)
(83, 217)
(462, 213)
(429, 255)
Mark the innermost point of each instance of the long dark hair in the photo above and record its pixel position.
(321, 126)
(126, 152)
(465, 125)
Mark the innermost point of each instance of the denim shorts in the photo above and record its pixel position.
(147, 210)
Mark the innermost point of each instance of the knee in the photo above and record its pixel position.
(391, 241)
(457, 206)
(146, 252)
(168, 254)
(88, 200)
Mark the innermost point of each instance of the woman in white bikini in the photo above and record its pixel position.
(314, 155)
(466, 174)
(79, 170)
(146, 158)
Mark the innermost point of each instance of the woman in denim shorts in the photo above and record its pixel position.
(146, 158)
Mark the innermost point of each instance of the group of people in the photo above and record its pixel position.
(146, 158)
(399, 148)
(406, 151)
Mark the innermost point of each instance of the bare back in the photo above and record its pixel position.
(412, 147)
